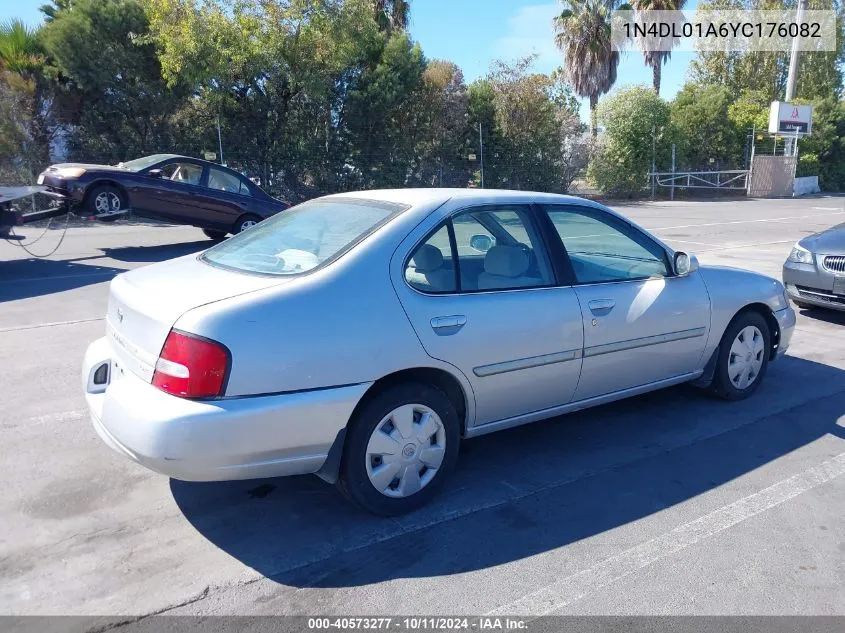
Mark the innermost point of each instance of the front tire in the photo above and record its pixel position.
(400, 448)
(743, 357)
(104, 201)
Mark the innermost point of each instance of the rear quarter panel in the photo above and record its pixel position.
(336, 326)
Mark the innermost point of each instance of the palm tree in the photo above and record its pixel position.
(22, 62)
(656, 59)
(583, 35)
(20, 50)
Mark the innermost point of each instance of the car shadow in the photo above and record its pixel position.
(821, 314)
(34, 277)
(524, 491)
(155, 253)
(26, 278)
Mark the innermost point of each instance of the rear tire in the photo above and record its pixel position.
(104, 199)
(214, 236)
(400, 448)
(245, 222)
(743, 357)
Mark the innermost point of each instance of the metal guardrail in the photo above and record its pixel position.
(728, 179)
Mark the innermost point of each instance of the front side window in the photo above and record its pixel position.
(188, 173)
(602, 248)
(303, 237)
(497, 248)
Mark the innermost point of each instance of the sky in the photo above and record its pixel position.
(474, 33)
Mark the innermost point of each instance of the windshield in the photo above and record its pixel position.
(142, 163)
(304, 237)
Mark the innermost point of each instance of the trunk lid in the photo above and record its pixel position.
(145, 303)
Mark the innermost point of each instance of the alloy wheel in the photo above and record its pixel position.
(107, 202)
(247, 224)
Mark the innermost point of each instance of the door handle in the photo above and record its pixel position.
(600, 307)
(454, 322)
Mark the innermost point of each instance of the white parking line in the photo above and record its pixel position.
(558, 595)
(792, 217)
(691, 242)
(715, 247)
(63, 416)
(52, 277)
(17, 328)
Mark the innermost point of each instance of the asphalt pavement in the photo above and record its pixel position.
(669, 503)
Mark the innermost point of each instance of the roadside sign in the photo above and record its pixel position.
(790, 118)
(210, 155)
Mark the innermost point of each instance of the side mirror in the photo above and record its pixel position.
(155, 173)
(684, 264)
(481, 243)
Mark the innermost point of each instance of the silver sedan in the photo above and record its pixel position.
(814, 272)
(362, 336)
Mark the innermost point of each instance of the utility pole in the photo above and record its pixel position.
(653, 177)
(219, 141)
(481, 147)
(672, 191)
(792, 78)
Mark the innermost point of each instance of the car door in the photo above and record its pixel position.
(642, 323)
(481, 293)
(224, 198)
(172, 195)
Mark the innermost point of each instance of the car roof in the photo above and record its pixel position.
(428, 196)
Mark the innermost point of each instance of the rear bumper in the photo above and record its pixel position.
(215, 440)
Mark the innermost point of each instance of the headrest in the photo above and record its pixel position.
(506, 261)
(427, 258)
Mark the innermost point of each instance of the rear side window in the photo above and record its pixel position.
(496, 248)
(224, 181)
(302, 238)
(431, 267)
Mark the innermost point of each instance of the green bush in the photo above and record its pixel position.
(623, 155)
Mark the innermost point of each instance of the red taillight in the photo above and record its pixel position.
(191, 367)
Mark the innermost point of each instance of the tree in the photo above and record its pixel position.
(656, 59)
(583, 35)
(621, 162)
(392, 15)
(530, 127)
(700, 116)
(822, 153)
(442, 108)
(379, 116)
(750, 111)
(27, 125)
(110, 91)
(819, 74)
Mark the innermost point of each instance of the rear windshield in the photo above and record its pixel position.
(303, 237)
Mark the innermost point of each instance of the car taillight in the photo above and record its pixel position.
(191, 367)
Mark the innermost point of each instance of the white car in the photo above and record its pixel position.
(360, 336)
